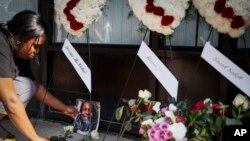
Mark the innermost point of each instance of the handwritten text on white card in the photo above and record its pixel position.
(160, 71)
(227, 68)
(80, 66)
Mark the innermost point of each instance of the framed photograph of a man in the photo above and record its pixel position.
(88, 116)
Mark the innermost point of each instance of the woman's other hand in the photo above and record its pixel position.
(70, 111)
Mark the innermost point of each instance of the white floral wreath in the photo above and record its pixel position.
(77, 15)
(227, 16)
(162, 16)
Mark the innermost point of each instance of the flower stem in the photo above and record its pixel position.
(239, 112)
(123, 128)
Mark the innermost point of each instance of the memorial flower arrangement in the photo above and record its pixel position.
(69, 130)
(227, 16)
(77, 15)
(162, 16)
(178, 120)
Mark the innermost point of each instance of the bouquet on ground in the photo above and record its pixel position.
(178, 121)
(207, 120)
(68, 133)
(157, 122)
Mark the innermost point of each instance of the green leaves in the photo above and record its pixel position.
(233, 121)
(128, 126)
(118, 112)
(145, 116)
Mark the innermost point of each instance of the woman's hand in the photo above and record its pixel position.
(47, 98)
(70, 111)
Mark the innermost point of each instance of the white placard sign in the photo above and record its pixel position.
(227, 68)
(159, 70)
(80, 66)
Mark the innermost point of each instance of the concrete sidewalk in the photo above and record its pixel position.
(48, 129)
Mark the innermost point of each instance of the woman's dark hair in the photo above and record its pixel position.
(27, 24)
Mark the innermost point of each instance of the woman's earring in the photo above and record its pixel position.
(18, 42)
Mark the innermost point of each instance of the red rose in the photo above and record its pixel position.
(199, 105)
(148, 107)
(237, 22)
(220, 112)
(167, 20)
(219, 6)
(71, 4)
(227, 12)
(150, 8)
(70, 17)
(150, 1)
(180, 119)
(66, 10)
(223, 112)
(215, 106)
(75, 25)
(159, 11)
(134, 107)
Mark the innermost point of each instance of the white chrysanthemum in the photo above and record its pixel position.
(241, 7)
(197, 3)
(225, 26)
(209, 11)
(235, 33)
